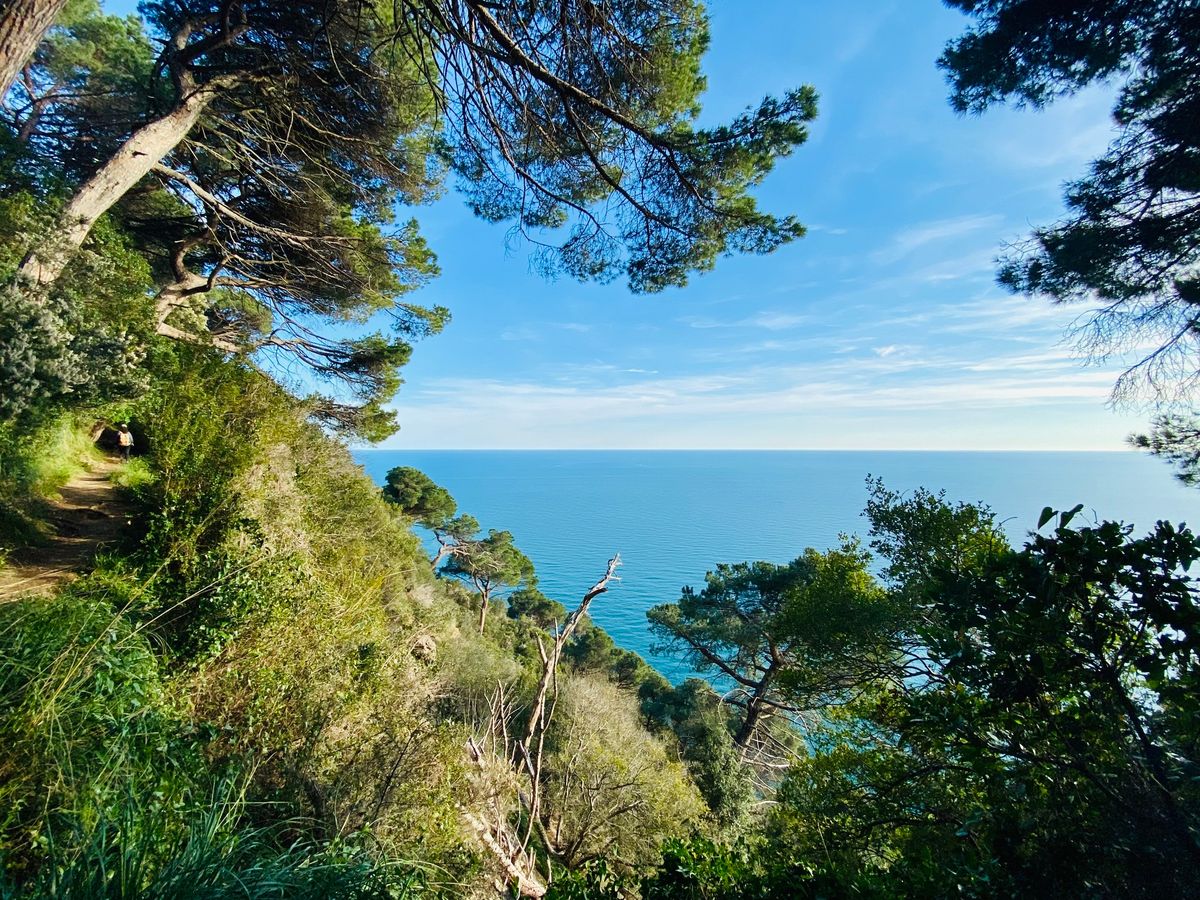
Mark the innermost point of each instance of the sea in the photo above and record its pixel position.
(673, 515)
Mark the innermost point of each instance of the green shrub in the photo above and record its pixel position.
(615, 790)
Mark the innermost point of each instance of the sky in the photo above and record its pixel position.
(883, 328)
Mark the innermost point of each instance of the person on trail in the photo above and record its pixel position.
(125, 440)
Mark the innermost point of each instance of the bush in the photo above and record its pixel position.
(615, 789)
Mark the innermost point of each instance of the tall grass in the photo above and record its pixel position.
(216, 853)
(130, 855)
(105, 790)
(41, 458)
(85, 716)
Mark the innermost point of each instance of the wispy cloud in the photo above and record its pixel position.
(775, 321)
(771, 320)
(538, 331)
(1077, 131)
(891, 378)
(701, 322)
(826, 229)
(990, 314)
(914, 238)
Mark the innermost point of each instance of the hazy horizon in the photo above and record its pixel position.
(401, 449)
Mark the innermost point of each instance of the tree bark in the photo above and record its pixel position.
(177, 294)
(483, 611)
(22, 25)
(754, 710)
(124, 169)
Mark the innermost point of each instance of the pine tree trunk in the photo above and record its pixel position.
(755, 708)
(129, 165)
(176, 294)
(22, 24)
(483, 611)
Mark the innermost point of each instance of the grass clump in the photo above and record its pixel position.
(216, 852)
(85, 717)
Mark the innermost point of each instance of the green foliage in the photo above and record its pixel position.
(490, 564)
(531, 604)
(699, 869)
(591, 649)
(83, 343)
(921, 533)
(1128, 245)
(1046, 741)
(87, 79)
(213, 854)
(85, 720)
(593, 130)
(134, 477)
(204, 424)
(693, 714)
(261, 533)
(701, 722)
(417, 496)
(37, 457)
(594, 880)
(616, 790)
(725, 625)
(35, 361)
(1175, 438)
(693, 869)
(284, 585)
(291, 178)
(790, 638)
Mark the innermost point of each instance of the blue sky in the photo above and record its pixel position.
(882, 328)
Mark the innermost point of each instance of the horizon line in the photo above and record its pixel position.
(745, 449)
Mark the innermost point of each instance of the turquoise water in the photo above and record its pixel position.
(674, 514)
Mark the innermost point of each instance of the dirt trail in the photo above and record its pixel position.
(88, 515)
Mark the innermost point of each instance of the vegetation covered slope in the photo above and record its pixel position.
(272, 659)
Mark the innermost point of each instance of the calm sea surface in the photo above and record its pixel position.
(674, 514)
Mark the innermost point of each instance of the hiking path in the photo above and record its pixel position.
(88, 514)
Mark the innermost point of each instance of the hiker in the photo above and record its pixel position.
(125, 440)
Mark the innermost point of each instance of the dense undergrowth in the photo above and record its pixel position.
(269, 684)
(36, 458)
